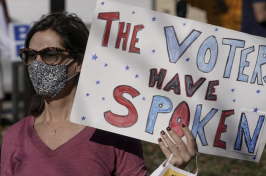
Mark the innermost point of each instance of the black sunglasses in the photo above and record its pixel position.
(48, 55)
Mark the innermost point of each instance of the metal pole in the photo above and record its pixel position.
(154, 5)
(26, 92)
(2, 86)
(15, 91)
(57, 5)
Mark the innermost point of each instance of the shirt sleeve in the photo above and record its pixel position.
(7, 145)
(130, 160)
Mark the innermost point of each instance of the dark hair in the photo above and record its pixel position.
(74, 35)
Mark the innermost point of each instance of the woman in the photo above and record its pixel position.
(46, 143)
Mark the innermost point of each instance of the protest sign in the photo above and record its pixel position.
(144, 71)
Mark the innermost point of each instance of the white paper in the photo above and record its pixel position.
(108, 71)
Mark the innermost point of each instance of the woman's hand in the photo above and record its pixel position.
(182, 153)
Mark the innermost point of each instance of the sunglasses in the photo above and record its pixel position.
(48, 55)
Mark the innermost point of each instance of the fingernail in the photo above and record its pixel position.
(160, 139)
(162, 132)
(168, 128)
(183, 126)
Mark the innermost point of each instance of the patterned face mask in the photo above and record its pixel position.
(48, 80)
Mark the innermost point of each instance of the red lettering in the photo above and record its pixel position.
(134, 40)
(222, 128)
(122, 35)
(132, 117)
(181, 115)
(109, 17)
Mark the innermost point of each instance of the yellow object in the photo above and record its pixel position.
(171, 172)
(230, 19)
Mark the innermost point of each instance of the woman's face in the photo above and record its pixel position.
(49, 38)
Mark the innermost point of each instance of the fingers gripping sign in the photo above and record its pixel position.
(178, 154)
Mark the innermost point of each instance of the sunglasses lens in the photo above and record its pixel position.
(49, 56)
(27, 56)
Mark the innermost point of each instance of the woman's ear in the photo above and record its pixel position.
(79, 65)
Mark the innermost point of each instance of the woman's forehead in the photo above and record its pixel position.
(44, 39)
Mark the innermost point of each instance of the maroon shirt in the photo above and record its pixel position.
(91, 152)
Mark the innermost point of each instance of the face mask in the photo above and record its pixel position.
(48, 80)
(170, 170)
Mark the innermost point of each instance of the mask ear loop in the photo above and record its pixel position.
(196, 148)
(74, 74)
(69, 62)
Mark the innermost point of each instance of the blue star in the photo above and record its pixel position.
(87, 94)
(133, 12)
(184, 24)
(153, 51)
(137, 76)
(255, 110)
(143, 99)
(153, 19)
(98, 82)
(103, 3)
(234, 100)
(258, 91)
(127, 67)
(83, 118)
(216, 29)
(94, 57)
(232, 90)
(254, 158)
(103, 99)
(105, 65)
(187, 59)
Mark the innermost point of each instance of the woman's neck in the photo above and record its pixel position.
(59, 109)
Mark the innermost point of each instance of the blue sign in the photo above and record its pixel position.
(19, 33)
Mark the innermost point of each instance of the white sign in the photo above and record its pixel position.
(144, 71)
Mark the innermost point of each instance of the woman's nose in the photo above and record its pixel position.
(38, 58)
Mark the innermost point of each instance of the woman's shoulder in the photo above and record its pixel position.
(126, 149)
(11, 137)
(18, 127)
